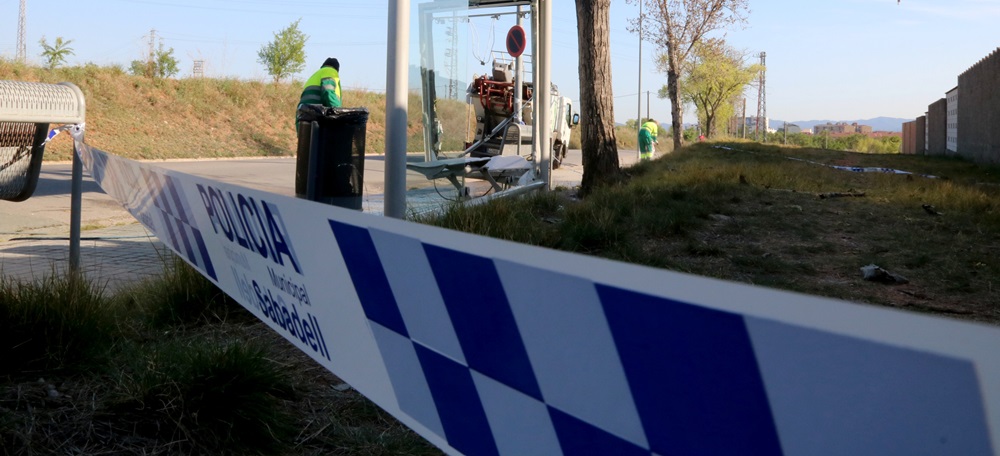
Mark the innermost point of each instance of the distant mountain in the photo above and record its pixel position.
(877, 124)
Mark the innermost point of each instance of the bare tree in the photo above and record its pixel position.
(597, 124)
(676, 26)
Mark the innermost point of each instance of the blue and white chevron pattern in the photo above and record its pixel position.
(503, 358)
(487, 347)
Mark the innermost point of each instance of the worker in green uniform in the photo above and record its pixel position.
(322, 89)
(647, 137)
(653, 127)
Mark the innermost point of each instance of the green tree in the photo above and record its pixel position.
(677, 26)
(162, 64)
(55, 54)
(715, 78)
(285, 55)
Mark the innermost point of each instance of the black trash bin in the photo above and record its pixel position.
(330, 160)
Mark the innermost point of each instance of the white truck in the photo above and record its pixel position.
(499, 131)
(501, 150)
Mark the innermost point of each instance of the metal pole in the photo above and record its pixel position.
(744, 117)
(397, 60)
(638, 114)
(519, 79)
(75, 211)
(536, 95)
(544, 89)
(647, 104)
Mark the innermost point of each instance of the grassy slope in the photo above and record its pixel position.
(757, 217)
(139, 118)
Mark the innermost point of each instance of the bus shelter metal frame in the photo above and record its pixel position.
(396, 78)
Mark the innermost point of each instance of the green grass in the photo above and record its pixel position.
(357, 427)
(183, 297)
(209, 397)
(755, 216)
(170, 366)
(58, 323)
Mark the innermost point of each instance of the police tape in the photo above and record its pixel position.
(484, 346)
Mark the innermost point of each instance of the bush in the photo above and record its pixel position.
(207, 398)
(184, 297)
(58, 322)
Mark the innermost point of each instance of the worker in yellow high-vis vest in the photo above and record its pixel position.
(647, 138)
(321, 89)
(653, 128)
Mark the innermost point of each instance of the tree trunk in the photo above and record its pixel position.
(597, 117)
(676, 111)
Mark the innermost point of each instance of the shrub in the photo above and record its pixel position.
(58, 322)
(208, 398)
(184, 297)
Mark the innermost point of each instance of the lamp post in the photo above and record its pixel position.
(638, 115)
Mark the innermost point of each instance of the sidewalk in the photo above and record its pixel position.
(116, 256)
(111, 258)
(34, 235)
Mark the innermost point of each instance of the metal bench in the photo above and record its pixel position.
(26, 111)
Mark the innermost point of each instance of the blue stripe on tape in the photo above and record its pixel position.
(693, 376)
(206, 259)
(178, 238)
(521, 424)
(368, 276)
(407, 377)
(578, 437)
(155, 189)
(482, 318)
(546, 303)
(833, 394)
(176, 194)
(417, 293)
(465, 425)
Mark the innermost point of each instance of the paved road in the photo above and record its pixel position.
(116, 250)
(47, 211)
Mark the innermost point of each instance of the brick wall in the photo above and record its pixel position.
(937, 127)
(979, 110)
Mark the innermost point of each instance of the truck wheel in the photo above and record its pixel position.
(558, 154)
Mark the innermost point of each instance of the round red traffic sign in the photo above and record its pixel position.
(516, 41)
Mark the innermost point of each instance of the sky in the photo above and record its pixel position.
(826, 60)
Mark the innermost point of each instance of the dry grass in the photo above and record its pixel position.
(139, 118)
(178, 370)
(756, 216)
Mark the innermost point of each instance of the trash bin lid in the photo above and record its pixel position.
(347, 114)
(311, 112)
